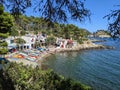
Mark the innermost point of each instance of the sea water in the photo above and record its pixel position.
(99, 69)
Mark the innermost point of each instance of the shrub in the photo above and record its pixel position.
(20, 77)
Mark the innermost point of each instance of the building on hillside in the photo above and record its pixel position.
(65, 43)
(30, 40)
(41, 38)
(90, 36)
(11, 43)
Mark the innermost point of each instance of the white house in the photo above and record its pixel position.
(30, 40)
(10, 41)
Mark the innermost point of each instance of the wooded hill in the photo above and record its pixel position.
(100, 33)
(36, 24)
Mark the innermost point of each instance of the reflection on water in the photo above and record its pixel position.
(99, 69)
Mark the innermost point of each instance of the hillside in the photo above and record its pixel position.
(102, 33)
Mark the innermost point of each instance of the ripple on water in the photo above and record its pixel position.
(98, 68)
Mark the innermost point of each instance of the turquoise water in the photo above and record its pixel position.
(99, 69)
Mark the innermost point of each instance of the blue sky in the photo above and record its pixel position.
(98, 8)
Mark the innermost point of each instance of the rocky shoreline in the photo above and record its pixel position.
(51, 51)
(85, 47)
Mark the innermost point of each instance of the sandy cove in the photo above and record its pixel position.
(46, 54)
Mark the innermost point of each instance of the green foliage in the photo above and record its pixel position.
(6, 22)
(37, 25)
(61, 10)
(114, 22)
(3, 50)
(14, 31)
(22, 32)
(37, 44)
(80, 41)
(17, 7)
(20, 77)
(20, 41)
(85, 39)
(3, 47)
(50, 40)
(1, 9)
(35, 32)
(102, 32)
(4, 35)
(71, 31)
(3, 44)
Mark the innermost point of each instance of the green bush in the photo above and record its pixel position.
(22, 33)
(20, 41)
(19, 77)
(3, 50)
(80, 41)
(4, 35)
(50, 40)
(85, 39)
(3, 44)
